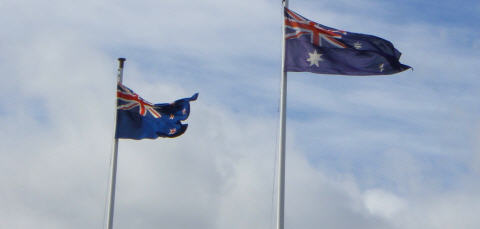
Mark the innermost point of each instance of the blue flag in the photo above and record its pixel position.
(311, 47)
(138, 119)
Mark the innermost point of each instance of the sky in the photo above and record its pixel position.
(390, 152)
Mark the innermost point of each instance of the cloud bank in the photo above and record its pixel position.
(380, 152)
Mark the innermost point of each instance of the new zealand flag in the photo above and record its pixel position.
(138, 119)
(311, 47)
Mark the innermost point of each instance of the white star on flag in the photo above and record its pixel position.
(357, 45)
(314, 58)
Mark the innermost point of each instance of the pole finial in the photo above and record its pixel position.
(121, 60)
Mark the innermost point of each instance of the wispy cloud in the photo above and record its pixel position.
(374, 152)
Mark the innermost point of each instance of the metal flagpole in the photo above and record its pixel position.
(281, 148)
(113, 175)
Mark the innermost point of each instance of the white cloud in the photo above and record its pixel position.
(392, 152)
(382, 203)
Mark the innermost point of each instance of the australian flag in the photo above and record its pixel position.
(311, 47)
(138, 119)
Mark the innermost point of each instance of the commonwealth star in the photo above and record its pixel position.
(314, 58)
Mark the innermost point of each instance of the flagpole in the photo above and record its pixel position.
(281, 148)
(113, 174)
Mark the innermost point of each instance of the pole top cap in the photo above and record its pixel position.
(121, 60)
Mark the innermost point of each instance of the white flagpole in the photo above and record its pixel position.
(281, 148)
(113, 175)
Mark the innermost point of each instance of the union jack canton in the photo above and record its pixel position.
(312, 47)
(138, 118)
(132, 100)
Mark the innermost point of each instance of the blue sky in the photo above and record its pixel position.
(398, 151)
